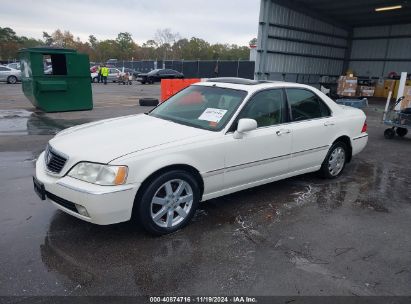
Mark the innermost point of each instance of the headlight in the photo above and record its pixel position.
(105, 175)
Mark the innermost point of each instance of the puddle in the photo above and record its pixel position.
(22, 122)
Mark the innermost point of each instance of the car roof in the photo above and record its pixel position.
(253, 86)
(236, 80)
(248, 84)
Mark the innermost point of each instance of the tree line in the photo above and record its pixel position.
(165, 45)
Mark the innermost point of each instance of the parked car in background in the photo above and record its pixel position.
(9, 75)
(158, 74)
(112, 75)
(111, 62)
(14, 65)
(209, 140)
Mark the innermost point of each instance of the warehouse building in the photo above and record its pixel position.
(316, 41)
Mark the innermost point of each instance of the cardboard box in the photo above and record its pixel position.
(406, 102)
(389, 85)
(347, 86)
(366, 91)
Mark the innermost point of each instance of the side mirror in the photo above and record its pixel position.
(244, 125)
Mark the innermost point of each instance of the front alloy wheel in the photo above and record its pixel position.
(168, 202)
(171, 203)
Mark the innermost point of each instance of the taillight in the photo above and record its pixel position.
(364, 127)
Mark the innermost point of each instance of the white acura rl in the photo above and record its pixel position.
(210, 139)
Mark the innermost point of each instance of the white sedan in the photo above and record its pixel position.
(210, 139)
(9, 74)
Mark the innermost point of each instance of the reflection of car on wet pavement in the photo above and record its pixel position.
(9, 74)
(132, 266)
(208, 140)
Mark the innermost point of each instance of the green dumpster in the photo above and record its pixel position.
(56, 79)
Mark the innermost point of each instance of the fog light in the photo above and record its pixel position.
(82, 210)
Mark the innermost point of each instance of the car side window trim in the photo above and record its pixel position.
(319, 98)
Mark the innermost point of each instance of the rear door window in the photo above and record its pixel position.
(305, 105)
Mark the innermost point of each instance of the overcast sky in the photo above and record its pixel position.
(224, 21)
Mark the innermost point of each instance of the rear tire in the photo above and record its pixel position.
(334, 163)
(401, 132)
(389, 133)
(12, 80)
(168, 202)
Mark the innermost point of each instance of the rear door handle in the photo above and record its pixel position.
(283, 131)
(329, 123)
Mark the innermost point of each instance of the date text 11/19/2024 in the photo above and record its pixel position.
(204, 299)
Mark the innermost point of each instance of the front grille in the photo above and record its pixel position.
(62, 202)
(54, 161)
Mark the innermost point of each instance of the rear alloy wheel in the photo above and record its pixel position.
(12, 79)
(389, 133)
(401, 132)
(168, 202)
(335, 161)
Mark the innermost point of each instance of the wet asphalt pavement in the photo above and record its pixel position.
(300, 236)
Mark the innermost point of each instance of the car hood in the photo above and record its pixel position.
(106, 140)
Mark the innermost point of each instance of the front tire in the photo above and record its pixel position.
(335, 161)
(168, 202)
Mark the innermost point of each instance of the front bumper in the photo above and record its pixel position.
(104, 204)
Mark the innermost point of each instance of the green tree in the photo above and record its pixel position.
(125, 46)
(48, 40)
(93, 41)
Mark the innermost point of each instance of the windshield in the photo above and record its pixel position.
(204, 107)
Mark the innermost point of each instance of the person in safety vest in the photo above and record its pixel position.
(104, 73)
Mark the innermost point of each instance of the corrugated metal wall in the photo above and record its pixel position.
(293, 43)
(377, 51)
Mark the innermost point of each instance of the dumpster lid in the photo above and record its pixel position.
(48, 50)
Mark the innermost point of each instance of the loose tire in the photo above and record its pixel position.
(12, 79)
(335, 161)
(389, 133)
(401, 132)
(168, 202)
(148, 102)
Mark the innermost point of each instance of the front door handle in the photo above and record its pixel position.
(283, 131)
(329, 123)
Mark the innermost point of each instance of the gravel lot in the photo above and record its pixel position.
(300, 236)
